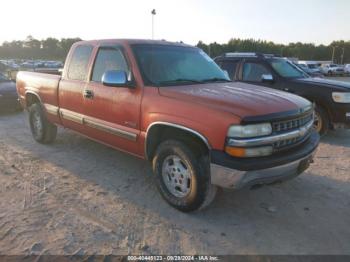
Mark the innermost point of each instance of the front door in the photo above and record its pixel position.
(253, 71)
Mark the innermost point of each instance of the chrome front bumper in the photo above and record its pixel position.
(236, 179)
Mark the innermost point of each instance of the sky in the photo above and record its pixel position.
(311, 21)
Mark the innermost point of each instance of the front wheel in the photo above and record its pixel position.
(42, 130)
(183, 179)
(321, 123)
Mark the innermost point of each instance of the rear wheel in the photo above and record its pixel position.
(321, 123)
(42, 130)
(183, 179)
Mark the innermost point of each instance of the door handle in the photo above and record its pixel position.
(88, 94)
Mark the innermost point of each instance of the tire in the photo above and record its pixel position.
(183, 179)
(42, 130)
(330, 73)
(322, 122)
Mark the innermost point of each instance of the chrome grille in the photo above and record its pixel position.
(290, 125)
(287, 143)
(287, 125)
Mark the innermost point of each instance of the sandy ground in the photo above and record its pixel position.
(79, 197)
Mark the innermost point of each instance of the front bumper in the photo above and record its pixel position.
(229, 172)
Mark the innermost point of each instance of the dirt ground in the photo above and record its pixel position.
(79, 197)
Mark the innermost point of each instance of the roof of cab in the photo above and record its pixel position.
(132, 42)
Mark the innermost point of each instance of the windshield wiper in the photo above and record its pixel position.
(179, 80)
(215, 79)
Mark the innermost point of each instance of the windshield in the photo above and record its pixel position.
(165, 65)
(286, 69)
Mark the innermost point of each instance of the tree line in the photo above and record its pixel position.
(338, 50)
(31, 48)
(57, 49)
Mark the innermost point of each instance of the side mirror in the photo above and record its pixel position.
(267, 78)
(115, 78)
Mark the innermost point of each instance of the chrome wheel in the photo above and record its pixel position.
(177, 176)
(318, 122)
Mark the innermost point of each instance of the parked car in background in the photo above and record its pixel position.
(310, 72)
(347, 69)
(171, 104)
(332, 69)
(8, 95)
(332, 98)
(53, 64)
(8, 65)
(313, 66)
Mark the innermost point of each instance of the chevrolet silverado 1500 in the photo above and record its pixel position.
(171, 104)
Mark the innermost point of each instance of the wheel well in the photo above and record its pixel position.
(31, 99)
(323, 106)
(159, 133)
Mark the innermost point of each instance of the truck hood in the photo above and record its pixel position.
(240, 99)
(336, 85)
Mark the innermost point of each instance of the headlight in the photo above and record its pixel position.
(250, 130)
(341, 97)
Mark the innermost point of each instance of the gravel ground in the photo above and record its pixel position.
(79, 197)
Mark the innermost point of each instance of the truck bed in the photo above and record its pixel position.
(43, 86)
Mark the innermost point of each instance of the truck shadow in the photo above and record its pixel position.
(338, 137)
(292, 216)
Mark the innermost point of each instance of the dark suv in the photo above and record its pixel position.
(331, 98)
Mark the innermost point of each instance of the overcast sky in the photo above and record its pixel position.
(281, 21)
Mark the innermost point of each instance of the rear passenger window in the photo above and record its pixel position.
(78, 67)
(253, 72)
(230, 67)
(108, 59)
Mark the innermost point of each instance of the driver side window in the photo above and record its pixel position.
(108, 59)
(253, 72)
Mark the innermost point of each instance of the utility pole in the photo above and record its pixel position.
(153, 14)
(342, 55)
(334, 47)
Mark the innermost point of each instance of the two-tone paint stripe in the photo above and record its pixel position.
(88, 121)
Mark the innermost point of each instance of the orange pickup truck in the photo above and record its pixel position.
(171, 104)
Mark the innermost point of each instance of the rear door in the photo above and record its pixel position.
(72, 86)
(112, 114)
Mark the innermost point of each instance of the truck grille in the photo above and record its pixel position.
(288, 125)
(288, 143)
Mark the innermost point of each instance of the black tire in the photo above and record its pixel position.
(42, 130)
(200, 190)
(321, 121)
(330, 73)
